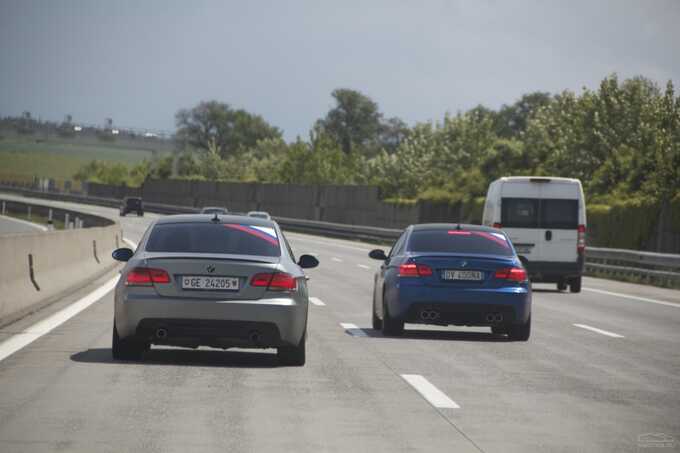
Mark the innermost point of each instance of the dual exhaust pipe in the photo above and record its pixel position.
(429, 315)
(494, 318)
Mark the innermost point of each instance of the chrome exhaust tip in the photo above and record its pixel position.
(490, 317)
(498, 317)
(161, 334)
(429, 315)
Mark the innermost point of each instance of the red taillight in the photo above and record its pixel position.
(497, 225)
(415, 270)
(279, 281)
(515, 274)
(145, 276)
(581, 241)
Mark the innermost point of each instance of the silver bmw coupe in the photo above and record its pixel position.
(222, 281)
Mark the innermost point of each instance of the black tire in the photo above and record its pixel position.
(126, 349)
(561, 285)
(521, 332)
(140, 214)
(391, 327)
(376, 322)
(122, 213)
(499, 330)
(575, 285)
(293, 355)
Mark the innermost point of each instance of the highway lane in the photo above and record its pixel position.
(10, 225)
(567, 389)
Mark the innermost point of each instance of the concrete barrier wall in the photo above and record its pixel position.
(61, 261)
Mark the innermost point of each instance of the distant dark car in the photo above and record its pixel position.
(260, 215)
(447, 274)
(214, 210)
(131, 204)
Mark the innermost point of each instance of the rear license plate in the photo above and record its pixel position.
(461, 275)
(523, 248)
(210, 283)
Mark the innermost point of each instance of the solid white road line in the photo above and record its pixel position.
(26, 222)
(37, 330)
(603, 332)
(337, 260)
(432, 394)
(363, 266)
(626, 296)
(353, 329)
(316, 301)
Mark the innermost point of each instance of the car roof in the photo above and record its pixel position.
(207, 218)
(452, 226)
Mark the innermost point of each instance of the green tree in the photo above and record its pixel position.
(353, 122)
(214, 123)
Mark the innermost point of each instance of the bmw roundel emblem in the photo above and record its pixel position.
(210, 268)
(463, 263)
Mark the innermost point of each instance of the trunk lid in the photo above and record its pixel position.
(240, 267)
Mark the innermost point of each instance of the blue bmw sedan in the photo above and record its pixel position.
(451, 274)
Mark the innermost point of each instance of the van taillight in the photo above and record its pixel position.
(497, 225)
(145, 276)
(581, 241)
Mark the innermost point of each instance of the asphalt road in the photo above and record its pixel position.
(10, 225)
(570, 388)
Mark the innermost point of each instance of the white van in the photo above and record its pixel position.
(545, 218)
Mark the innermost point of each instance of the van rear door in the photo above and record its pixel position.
(519, 220)
(559, 220)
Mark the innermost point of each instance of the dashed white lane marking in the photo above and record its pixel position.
(432, 394)
(363, 266)
(626, 296)
(337, 260)
(316, 301)
(600, 331)
(37, 330)
(353, 329)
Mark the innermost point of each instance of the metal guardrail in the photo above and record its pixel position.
(656, 268)
(660, 268)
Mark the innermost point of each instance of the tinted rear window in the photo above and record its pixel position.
(519, 213)
(460, 241)
(133, 202)
(229, 238)
(544, 213)
(559, 214)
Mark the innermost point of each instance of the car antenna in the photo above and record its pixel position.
(215, 219)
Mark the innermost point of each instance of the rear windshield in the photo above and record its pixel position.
(460, 241)
(230, 238)
(133, 201)
(544, 213)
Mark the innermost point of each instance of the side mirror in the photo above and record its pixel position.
(307, 261)
(377, 254)
(122, 254)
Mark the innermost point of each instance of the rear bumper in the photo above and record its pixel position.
(463, 307)
(553, 272)
(192, 322)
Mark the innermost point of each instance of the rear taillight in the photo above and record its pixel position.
(415, 270)
(515, 274)
(497, 225)
(145, 276)
(581, 241)
(279, 281)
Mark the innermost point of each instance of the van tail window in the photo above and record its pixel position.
(545, 213)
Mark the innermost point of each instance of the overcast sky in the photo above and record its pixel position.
(140, 61)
